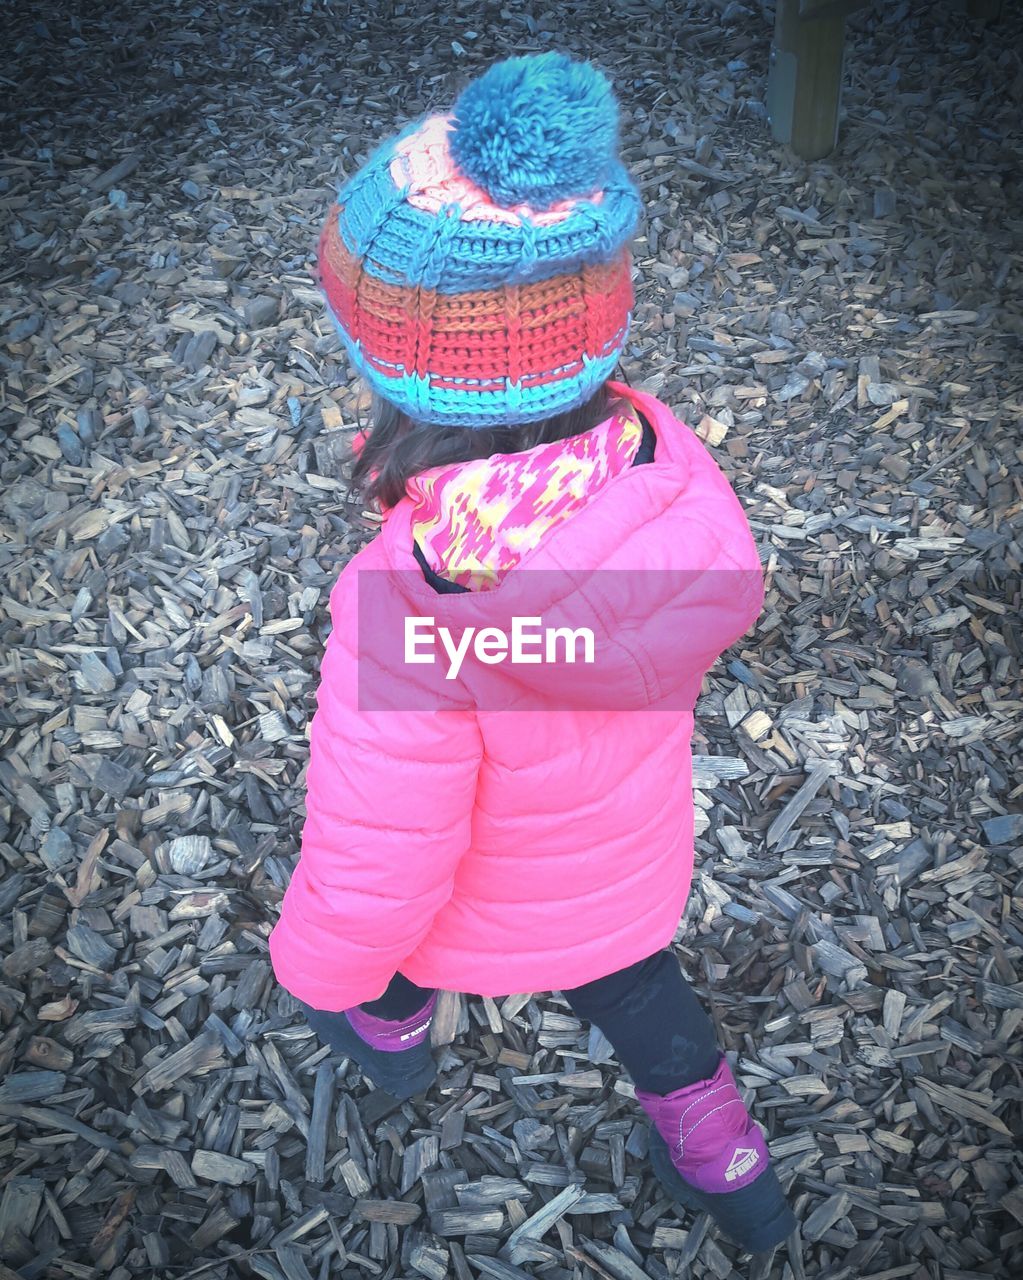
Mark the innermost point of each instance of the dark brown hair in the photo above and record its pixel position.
(398, 447)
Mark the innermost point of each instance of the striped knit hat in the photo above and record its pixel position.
(477, 267)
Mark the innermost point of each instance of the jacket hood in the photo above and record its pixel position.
(618, 607)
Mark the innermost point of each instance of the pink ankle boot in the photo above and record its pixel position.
(708, 1153)
(394, 1055)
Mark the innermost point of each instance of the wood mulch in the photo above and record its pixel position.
(175, 408)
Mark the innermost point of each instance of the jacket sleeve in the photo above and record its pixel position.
(389, 801)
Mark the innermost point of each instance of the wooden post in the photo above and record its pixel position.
(804, 85)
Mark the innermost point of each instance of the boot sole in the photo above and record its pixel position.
(757, 1217)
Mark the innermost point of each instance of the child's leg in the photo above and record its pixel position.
(650, 1014)
(389, 1038)
(401, 1000)
(705, 1148)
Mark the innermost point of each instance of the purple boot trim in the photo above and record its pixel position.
(714, 1143)
(393, 1037)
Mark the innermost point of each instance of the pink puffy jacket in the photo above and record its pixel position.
(520, 827)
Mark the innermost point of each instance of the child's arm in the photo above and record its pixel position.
(389, 805)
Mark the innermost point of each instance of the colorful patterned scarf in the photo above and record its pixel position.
(475, 520)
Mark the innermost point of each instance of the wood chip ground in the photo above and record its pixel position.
(175, 409)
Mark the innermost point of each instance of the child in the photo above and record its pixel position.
(484, 817)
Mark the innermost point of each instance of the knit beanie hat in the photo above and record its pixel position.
(477, 267)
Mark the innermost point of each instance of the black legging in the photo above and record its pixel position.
(648, 1012)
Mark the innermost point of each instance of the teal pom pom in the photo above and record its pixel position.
(536, 130)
